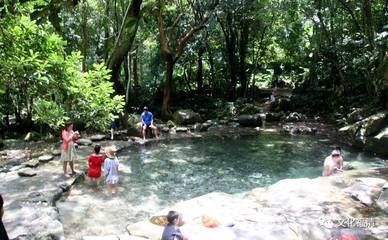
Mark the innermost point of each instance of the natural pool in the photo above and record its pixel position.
(158, 175)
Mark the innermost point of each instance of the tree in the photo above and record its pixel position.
(174, 41)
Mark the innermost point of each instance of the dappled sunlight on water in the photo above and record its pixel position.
(156, 176)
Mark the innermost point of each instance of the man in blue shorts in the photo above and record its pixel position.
(148, 121)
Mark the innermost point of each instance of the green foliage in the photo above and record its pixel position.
(50, 113)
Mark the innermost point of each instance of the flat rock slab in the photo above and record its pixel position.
(46, 158)
(366, 190)
(26, 172)
(32, 163)
(97, 137)
(84, 142)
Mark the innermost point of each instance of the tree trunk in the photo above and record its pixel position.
(85, 36)
(368, 22)
(166, 113)
(106, 32)
(244, 34)
(200, 71)
(124, 43)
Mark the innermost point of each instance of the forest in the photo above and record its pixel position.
(87, 59)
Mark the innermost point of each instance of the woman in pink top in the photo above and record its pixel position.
(68, 147)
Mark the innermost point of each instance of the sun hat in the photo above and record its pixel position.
(335, 152)
(145, 108)
(110, 151)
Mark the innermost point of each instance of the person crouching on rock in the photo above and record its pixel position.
(171, 230)
(3, 233)
(94, 162)
(68, 147)
(333, 163)
(111, 169)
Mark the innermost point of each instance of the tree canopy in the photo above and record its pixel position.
(85, 59)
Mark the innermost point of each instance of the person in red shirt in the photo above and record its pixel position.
(95, 161)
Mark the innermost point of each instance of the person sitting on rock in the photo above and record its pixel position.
(148, 122)
(171, 230)
(333, 163)
(3, 233)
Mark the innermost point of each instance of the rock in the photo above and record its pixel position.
(165, 129)
(365, 190)
(56, 152)
(84, 142)
(378, 143)
(223, 122)
(26, 172)
(294, 117)
(172, 131)
(32, 163)
(186, 116)
(46, 158)
(202, 127)
(382, 201)
(356, 115)
(32, 136)
(349, 132)
(170, 124)
(145, 229)
(181, 129)
(97, 137)
(374, 123)
(249, 120)
(273, 116)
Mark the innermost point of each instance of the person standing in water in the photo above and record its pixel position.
(333, 163)
(94, 162)
(68, 147)
(111, 169)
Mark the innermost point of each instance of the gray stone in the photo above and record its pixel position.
(374, 123)
(378, 143)
(165, 129)
(349, 132)
(26, 172)
(97, 137)
(170, 124)
(181, 129)
(294, 117)
(84, 141)
(366, 190)
(357, 115)
(46, 158)
(223, 122)
(172, 131)
(186, 116)
(382, 201)
(249, 120)
(56, 152)
(32, 163)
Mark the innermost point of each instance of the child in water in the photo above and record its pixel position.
(111, 169)
(95, 161)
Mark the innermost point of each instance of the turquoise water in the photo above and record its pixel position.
(160, 174)
(187, 168)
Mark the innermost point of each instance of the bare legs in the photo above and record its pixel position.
(71, 163)
(154, 131)
(111, 189)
